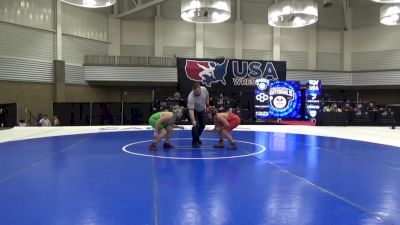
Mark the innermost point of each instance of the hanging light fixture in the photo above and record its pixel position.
(90, 3)
(293, 13)
(390, 14)
(205, 11)
(386, 1)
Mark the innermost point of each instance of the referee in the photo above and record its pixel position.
(197, 102)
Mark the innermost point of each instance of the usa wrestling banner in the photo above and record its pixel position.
(227, 75)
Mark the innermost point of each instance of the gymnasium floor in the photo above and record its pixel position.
(279, 175)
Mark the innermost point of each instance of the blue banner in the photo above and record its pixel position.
(313, 98)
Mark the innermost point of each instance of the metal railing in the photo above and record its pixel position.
(129, 61)
(99, 60)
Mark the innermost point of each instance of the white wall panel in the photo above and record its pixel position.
(377, 60)
(327, 78)
(179, 33)
(139, 32)
(114, 36)
(294, 59)
(85, 23)
(375, 38)
(218, 52)
(329, 40)
(257, 36)
(75, 49)
(131, 74)
(254, 13)
(27, 43)
(375, 47)
(365, 15)
(33, 13)
(172, 51)
(329, 61)
(137, 50)
(26, 70)
(171, 10)
(257, 54)
(331, 17)
(74, 74)
(294, 39)
(377, 78)
(219, 35)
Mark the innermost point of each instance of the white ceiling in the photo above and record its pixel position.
(255, 11)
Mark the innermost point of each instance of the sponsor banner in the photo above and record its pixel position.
(227, 75)
(261, 106)
(313, 98)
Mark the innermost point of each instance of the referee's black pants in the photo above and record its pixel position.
(199, 128)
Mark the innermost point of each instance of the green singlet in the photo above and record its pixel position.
(154, 118)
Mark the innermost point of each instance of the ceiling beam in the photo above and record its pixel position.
(346, 7)
(141, 7)
(137, 2)
(115, 8)
(238, 10)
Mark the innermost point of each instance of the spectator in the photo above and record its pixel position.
(333, 107)
(212, 101)
(22, 123)
(39, 117)
(177, 96)
(371, 107)
(45, 122)
(56, 121)
(237, 111)
(176, 100)
(326, 109)
(358, 107)
(221, 103)
(347, 107)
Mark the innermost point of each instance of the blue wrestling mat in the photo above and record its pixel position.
(112, 178)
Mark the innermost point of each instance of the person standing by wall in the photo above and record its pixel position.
(198, 101)
(3, 117)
